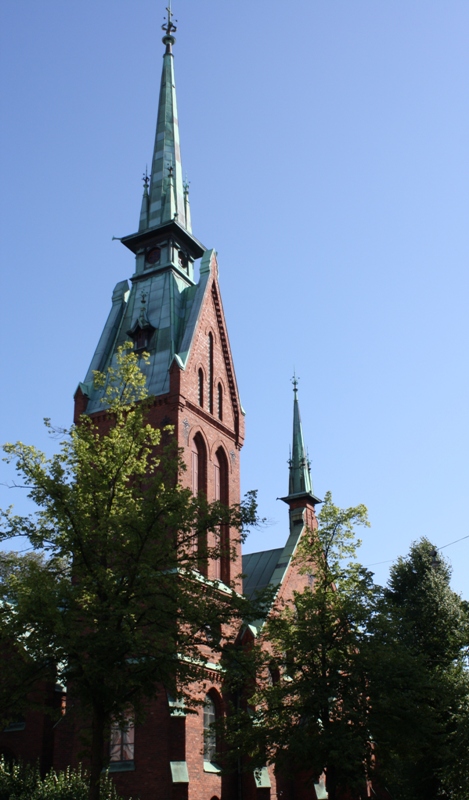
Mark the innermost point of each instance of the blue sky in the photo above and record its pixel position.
(328, 152)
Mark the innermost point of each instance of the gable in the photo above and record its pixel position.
(208, 381)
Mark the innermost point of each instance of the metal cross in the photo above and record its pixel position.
(169, 26)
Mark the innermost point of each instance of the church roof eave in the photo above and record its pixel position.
(139, 240)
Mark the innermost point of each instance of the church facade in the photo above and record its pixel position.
(178, 319)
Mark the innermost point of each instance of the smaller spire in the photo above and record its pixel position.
(170, 210)
(187, 206)
(145, 202)
(299, 467)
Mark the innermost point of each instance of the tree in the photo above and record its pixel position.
(432, 623)
(120, 606)
(22, 675)
(311, 705)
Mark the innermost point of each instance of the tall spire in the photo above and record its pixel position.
(164, 239)
(300, 477)
(166, 191)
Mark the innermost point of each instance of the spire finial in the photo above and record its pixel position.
(146, 178)
(169, 28)
(294, 381)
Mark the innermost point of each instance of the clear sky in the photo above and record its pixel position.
(327, 145)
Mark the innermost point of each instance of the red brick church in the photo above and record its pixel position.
(179, 320)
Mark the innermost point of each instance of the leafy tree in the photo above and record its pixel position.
(311, 707)
(432, 623)
(120, 606)
(22, 674)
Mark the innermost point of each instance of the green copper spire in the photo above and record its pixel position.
(164, 239)
(166, 192)
(300, 477)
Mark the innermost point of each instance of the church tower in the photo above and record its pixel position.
(180, 322)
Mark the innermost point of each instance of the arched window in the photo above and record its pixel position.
(222, 565)
(210, 373)
(201, 388)
(198, 465)
(210, 736)
(220, 401)
(199, 484)
(217, 492)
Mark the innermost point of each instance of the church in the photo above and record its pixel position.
(172, 308)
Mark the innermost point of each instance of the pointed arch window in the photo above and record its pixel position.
(220, 401)
(217, 492)
(198, 465)
(221, 566)
(210, 737)
(210, 373)
(199, 485)
(201, 387)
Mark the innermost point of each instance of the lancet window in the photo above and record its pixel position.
(201, 387)
(221, 566)
(210, 738)
(199, 484)
(210, 373)
(220, 401)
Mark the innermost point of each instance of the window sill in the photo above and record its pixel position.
(121, 766)
(209, 766)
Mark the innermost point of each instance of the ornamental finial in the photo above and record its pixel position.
(146, 178)
(169, 27)
(294, 381)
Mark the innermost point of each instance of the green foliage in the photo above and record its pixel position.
(429, 759)
(131, 613)
(315, 709)
(357, 680)
(24, 782)
(20, 670)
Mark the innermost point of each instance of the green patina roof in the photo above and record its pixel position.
(268, 568)
(172, 308)
(165, 294)
(258, 569)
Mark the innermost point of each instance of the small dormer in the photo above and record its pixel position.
(142, 330)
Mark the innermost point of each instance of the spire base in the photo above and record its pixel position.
(290, 498)
(142, 239)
